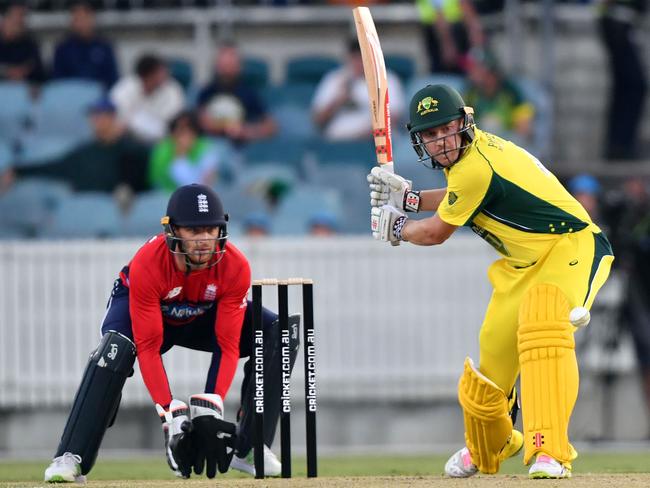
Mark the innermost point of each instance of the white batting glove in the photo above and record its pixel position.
(386, 223)
(388, 188)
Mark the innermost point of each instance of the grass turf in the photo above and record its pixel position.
(349, 466)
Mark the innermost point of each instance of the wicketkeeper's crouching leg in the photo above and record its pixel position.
(549, 380)
(94, 408)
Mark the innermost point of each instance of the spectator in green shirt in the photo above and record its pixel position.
(183, 157)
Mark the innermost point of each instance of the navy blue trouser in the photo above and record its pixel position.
(198, 334)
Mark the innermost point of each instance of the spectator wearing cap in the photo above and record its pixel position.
(499, 105)
(148, 100)
(109, 161)
(585, 188)
(323, 224)
(83, 53)
(257, 224)
(20, 55)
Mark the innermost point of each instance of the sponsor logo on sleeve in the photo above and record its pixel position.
(452, 197)
(173, 293)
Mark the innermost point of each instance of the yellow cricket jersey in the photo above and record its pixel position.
(507, 197)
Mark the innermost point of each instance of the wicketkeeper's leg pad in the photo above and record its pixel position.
(549, 372)
(488, 426)
(97, 399)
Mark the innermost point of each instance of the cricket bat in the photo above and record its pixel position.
(374, 70)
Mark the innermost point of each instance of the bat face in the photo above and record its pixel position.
(374, 69)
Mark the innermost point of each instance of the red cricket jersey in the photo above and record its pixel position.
(157, 290)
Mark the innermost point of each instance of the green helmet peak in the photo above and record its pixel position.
(434, 105)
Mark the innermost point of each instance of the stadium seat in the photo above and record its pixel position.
(294, 121)
(62, 110)
(16, 104)
(143, 219)
(255, 72)
(350, 180)
(298, 94)
(6, 156)
(419, 82)
(29, 203)
(181, 70)
(285, 151)
(37, 150)
(361, 153)
(402, 65)
(239, 201)
(301, 205)
(85, 215)
(265, 172)
(309, 69)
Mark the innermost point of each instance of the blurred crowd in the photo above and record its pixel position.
(82, 119)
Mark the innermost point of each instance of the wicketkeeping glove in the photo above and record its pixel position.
(386, 223)
(388, 188)
(214, 437)
(177, 429)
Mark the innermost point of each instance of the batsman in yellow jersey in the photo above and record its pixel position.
(554, 260)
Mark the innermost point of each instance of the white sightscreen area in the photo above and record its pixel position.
(389, 321)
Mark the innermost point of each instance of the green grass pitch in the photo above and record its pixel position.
(364, 471)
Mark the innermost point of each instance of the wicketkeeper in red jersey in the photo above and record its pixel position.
(186, 286)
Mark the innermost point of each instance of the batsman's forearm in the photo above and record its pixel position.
(417, 232)
(430, 199)
(427, 232)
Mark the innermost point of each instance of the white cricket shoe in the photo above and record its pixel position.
(460, 465)
(272, 465)
(65, 469)
(547, 467)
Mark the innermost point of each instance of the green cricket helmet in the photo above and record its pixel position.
(433, 106)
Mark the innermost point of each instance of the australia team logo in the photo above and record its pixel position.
(452, 198)
(427, 105)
